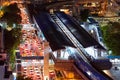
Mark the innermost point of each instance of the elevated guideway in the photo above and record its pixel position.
(19, 57)
(54, 35)
(80, 59)
(51, 31)
(47, 25)
(81, 63)
(32, 58)
(83, 37)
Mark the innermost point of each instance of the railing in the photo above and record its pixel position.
(80, 73)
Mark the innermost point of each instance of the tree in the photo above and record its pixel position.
(12, 38)
(11, 14)
(13, 7)
(111, 36)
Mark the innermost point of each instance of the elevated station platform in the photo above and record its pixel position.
(67, 68)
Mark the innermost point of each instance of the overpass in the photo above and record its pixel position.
(32, 58)
(53, 24)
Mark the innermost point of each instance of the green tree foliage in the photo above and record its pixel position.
(84, 14)
(12, 39)
(111, 35)
(11, 14)
(12, 8)
(11, 18)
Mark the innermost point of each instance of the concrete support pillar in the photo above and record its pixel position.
(99, 53)
(58, 53)
(46, 66)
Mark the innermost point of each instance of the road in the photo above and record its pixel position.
(31, 46)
